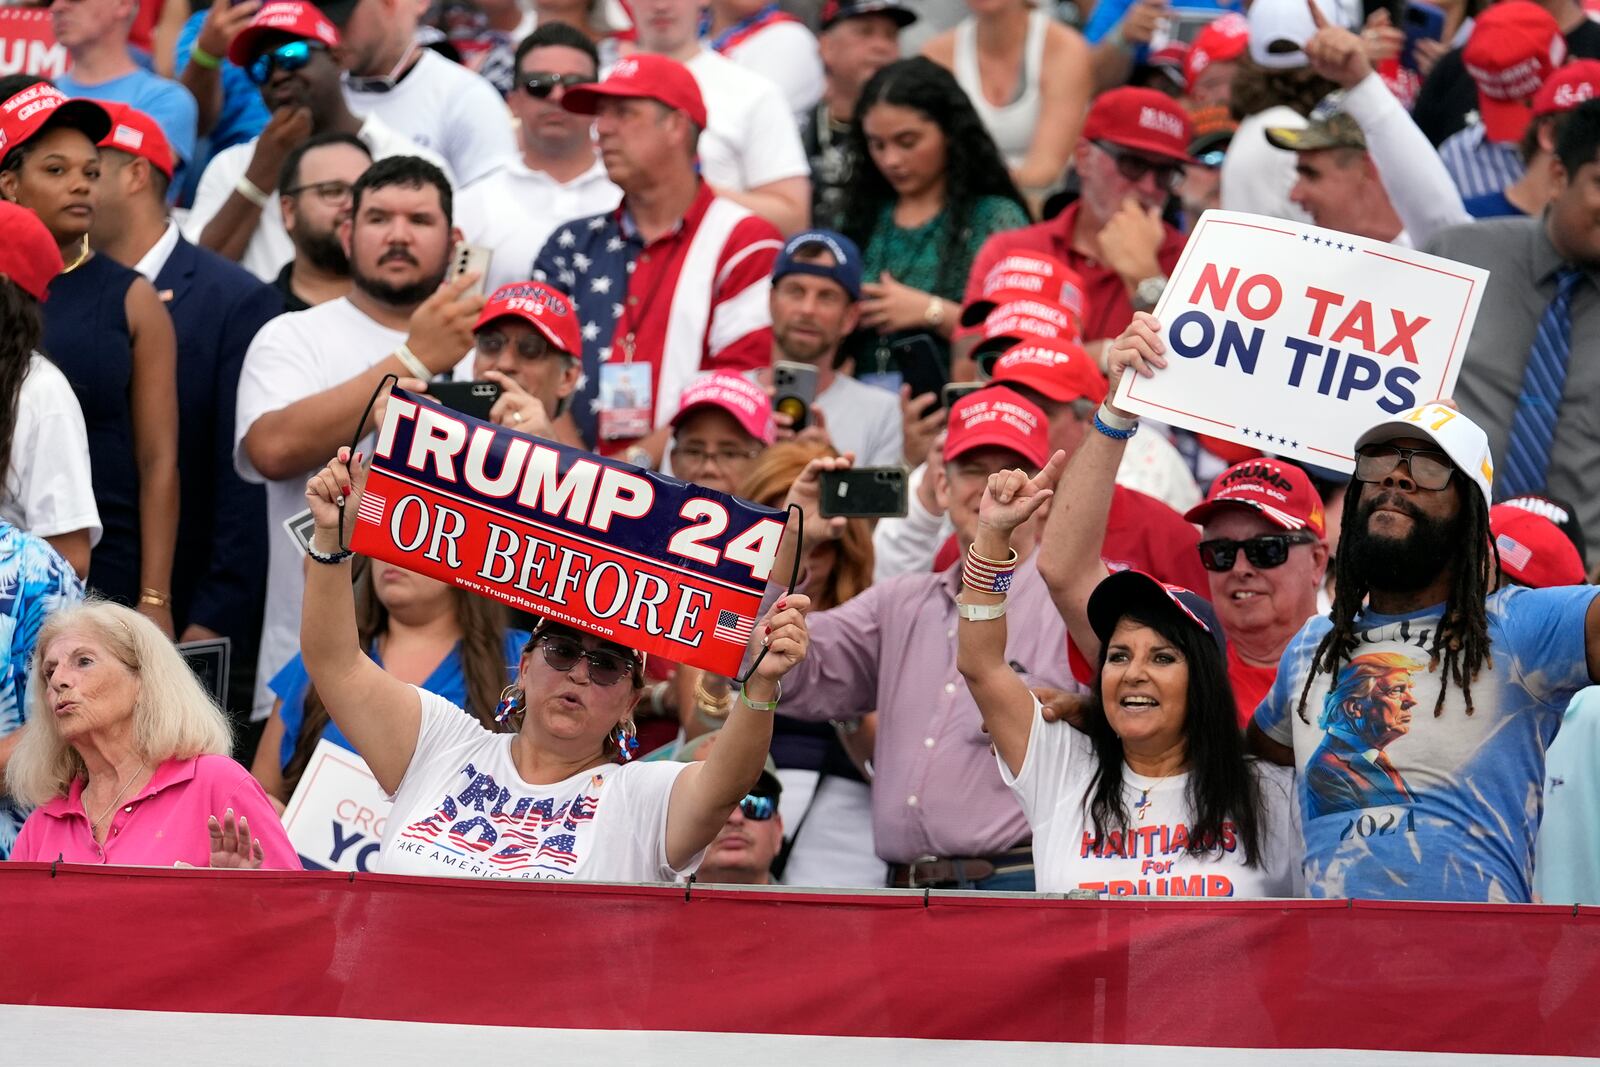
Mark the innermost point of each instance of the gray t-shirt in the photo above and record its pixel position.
(863, 419)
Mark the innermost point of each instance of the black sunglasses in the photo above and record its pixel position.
(605, 668)
(1429, 469)
(540, 85)
(1133, 167)
(758, 808)
(1264, 550)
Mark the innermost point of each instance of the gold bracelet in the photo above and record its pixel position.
(1002, 563)
(155, 598)
(711, 707)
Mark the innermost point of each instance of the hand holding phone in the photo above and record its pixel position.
(794, 389)
(864, 493)
(466, 259)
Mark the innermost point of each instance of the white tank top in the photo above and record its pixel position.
(1011, 125)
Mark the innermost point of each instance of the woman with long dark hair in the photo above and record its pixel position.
(1155, 796)
(439, 637)
(931, 189)
(107, 330)
(44, 450)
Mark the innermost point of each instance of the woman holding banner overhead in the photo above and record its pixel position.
(548, 801)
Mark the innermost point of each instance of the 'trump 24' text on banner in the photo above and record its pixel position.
(1294, 339)
(656, 564)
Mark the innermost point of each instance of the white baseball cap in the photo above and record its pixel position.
(1278, 28)
(1456, 435)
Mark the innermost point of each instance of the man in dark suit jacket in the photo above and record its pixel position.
(219, 572)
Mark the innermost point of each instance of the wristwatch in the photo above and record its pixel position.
(1148, 292)
(639, 456)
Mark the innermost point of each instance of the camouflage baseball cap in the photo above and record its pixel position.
(1333, 130)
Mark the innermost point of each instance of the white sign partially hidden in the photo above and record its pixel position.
(1293, 339)
(336, 817)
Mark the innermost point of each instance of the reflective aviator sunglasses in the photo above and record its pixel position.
(286, 57)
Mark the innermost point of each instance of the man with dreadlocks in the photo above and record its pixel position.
(1419, 709)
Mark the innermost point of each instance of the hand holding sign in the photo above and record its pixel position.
(1139, 349)
(1293, 339)
(785, 636)
(1336, 53)
(332, 491)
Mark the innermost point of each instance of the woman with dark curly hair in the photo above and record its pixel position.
(933, 190)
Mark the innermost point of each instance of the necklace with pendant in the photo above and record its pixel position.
(1142, 808)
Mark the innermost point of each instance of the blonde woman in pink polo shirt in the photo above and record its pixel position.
(125, 757)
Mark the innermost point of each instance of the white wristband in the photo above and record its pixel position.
(408, 359)
(251, 192)
(1115, 420)
(980, 612)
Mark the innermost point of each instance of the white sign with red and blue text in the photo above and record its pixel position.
(335, 818)
(653, 563)
(1293, 339)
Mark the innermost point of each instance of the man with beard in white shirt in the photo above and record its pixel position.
(308, 376)
(750, 152)
(558, 177)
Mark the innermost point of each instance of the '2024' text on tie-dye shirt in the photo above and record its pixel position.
(1399, 803)
(462, 809)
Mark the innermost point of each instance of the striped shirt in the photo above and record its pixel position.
(695, 299)
(1479, 166)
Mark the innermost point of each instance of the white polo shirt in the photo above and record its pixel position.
(751, 137)
(513, 209)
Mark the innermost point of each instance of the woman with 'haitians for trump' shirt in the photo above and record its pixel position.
(550, 800)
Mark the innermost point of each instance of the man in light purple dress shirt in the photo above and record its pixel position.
(941, 815)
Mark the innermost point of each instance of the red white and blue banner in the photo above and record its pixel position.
(134, 966)
(656, 564)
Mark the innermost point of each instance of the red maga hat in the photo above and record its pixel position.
(1279, 491)
(1000, 418)
(1533, 550)
(646, 77)
(545, 309)
(1142, 120)
(134, 132)
(292, 17)
(1515, 45)
(1060, 370)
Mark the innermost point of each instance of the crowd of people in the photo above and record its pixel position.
(1092, 655)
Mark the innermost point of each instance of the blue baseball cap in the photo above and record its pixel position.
(846, 268)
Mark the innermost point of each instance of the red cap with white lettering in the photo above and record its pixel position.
(291, 17)
(1568, 87)
(749, 404)
(24, 114)
(1223, 40)
(1026, 276)
(1060, 370)
(1513, 48)
(1143, 120)
(1280, 491)
(999, 418)
(545, 309)
(1017, 320)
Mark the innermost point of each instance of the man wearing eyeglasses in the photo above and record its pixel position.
(723, 424)
(558, 175)
(1129, 160)
(528, 342)
(289, 50)
(314, 196)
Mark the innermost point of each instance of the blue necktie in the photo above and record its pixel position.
(1533, 430)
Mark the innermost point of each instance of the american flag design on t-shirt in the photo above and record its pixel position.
(525, 837)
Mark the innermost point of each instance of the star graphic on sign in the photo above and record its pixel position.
(616, 311)
(597, 223)
(602, 284)
(614, 243)
(1294, 444)
(590, 331)
(566, 240)
(581, 261)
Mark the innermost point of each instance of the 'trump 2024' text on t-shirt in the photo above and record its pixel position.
(1151, 856)
(1400, 803)
(462, 809)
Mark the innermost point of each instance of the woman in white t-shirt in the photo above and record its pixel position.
(1155, 796)
(548, 801)
(44, 448)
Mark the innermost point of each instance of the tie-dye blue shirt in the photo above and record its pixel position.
(34, 582)
(1398, 803)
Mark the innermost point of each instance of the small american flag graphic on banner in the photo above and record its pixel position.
(733, 627)
(371, 509)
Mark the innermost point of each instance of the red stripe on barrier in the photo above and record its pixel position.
(1256, 974)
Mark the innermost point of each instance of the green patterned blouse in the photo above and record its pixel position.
(917, 257)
